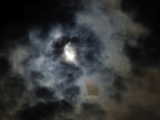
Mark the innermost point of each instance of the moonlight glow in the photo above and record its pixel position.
(69, 52)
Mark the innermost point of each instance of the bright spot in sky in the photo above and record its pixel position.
(57, 35)
(69, 52)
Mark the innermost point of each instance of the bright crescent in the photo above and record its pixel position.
(67, 52)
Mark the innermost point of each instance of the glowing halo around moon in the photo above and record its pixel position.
(69, 52)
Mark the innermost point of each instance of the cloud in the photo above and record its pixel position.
(45, 110)
(115, 71)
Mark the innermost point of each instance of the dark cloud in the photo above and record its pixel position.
(93, 111)
(137, 112)
(5, 65)
(35, 76)
(44, 93)
(145, 54)
(117, 89)
(71, 93)
(119, 84)
(68, 71)
(13, 93)
(45, 111)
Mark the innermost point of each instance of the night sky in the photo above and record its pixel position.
(79, 60)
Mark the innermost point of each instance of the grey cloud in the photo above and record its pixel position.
(137, 112)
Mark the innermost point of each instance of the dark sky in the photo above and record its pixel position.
(79, 60)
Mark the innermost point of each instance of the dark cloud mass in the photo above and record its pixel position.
(79, 60)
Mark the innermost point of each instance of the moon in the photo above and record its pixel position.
(69, 52)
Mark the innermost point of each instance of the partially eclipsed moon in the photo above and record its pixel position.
(69, 51)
